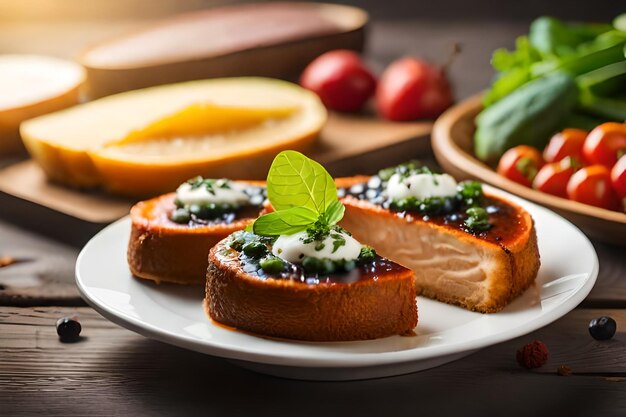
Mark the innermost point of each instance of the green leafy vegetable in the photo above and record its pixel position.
(284, 222)
(556, 46)
(304, 196)
(554, 37)
(529, 115)
(297, 181)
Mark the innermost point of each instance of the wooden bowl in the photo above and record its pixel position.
(452, 141)
(275, 39)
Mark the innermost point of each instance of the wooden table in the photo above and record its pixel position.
(113, 371)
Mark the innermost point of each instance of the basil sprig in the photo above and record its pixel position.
(304, 197)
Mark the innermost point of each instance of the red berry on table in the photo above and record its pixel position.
(412, 88)
(340, 79)
(533, 355)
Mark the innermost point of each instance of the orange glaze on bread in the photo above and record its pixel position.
(481, 272)
(164, 251)
(379, 303)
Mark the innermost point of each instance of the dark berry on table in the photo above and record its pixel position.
(533, 355)
(68, 329)
(602, 328)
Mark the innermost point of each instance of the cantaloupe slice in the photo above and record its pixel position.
(32, 85)
(146, 142)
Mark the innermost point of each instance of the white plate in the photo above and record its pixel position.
(174, 314)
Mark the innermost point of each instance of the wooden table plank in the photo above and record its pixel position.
(124, 373)
(610, 288)
(45, 275)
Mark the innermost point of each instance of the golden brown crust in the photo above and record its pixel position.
(494, 273)
(164, 251)
(361, 310)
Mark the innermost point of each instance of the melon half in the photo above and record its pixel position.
(148, 141)
(32, 85)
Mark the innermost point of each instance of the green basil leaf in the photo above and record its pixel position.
(334, 212)
(284, 222)
(297, 181)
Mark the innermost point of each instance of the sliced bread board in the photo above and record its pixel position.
(348, 145)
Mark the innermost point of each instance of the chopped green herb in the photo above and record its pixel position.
(338, 241)
(272, 264)
(404, 170)
(254, 249)
(318, 266)
(477, 219)
(367, 254)
(181, 215)
(471, 193)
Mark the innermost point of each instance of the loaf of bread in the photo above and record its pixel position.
(379, 303)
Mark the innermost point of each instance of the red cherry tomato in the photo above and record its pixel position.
(592, 185)
(340, 79)
(618, 177)
(412, 89)
(605, 143)
(552, 178)
(520, 164)
(568, 142)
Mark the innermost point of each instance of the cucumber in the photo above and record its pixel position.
(529, 115)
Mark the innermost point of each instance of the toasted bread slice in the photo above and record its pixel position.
(379, 302)
(481, 272)
(164, 251)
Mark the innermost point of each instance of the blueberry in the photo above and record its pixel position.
(68, 329)
(602, 328)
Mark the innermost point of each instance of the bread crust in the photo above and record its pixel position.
(495, 273)
(361, 310)
(164, 251)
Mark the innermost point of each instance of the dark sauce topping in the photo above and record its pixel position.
(295, 272)
(449, 212)
(254, 253)
(213, 214)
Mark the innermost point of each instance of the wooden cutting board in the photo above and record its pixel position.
(348, 145)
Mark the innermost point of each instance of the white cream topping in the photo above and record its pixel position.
(234, 194)
(421, 186)
(292, 248)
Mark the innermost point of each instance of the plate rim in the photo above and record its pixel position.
(342, 359)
